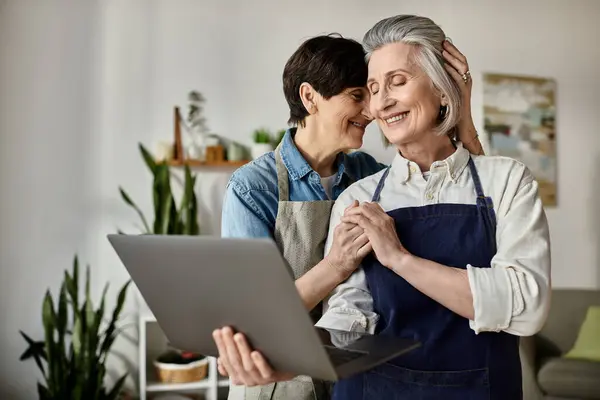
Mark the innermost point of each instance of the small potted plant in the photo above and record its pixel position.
(262, 143)
(174, 366)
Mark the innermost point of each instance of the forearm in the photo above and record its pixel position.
(318, 282)
(467, 134)
(447, 285)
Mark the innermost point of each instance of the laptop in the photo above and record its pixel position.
(195, 284)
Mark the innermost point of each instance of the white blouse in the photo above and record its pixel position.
(514, 294)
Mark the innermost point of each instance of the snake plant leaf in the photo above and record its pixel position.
(43, 392)
(72, 281)
(165, 197)
(76, 338)
(109, 335)
(89, 307)
(49, 323)
(148, 159)
(174, 223)
(131, 203)
(35, 350)
(117, 388)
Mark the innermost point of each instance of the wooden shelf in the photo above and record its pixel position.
(198, 163)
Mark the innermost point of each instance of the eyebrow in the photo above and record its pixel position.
(387, 74)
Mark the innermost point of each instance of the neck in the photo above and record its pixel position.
(426, 151)
(319, 154)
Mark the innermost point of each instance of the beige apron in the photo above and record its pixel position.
(301, 229)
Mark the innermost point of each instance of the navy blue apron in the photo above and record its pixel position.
(453, 363)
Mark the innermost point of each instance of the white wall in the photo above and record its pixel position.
(82, 82)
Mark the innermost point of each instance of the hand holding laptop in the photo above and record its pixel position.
(243, 366)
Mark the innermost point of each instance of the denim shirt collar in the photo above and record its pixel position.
(297, 166)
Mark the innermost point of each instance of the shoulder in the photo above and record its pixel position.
(504, 169)
(505, 179)
(361, 190)
(361, 164)
(257, 175)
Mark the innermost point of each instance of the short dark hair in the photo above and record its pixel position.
(329, 63)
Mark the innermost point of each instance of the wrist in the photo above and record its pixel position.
(400, 261)
(339, 272)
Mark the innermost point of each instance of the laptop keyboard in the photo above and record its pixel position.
(340, 356)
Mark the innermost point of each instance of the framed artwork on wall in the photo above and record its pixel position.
(519, 119)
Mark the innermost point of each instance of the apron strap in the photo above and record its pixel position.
(282, 176)
(476, 180)
(484, 203)
(377, 193)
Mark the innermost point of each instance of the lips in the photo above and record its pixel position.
(358, 124)
(396, 117)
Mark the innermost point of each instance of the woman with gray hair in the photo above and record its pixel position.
(461, 249)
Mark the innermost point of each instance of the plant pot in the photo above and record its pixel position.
(172, 367)
(259, 149)
(182, 373)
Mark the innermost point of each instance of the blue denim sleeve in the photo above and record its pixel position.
(242, 218)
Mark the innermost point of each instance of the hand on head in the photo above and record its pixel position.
(243, 365)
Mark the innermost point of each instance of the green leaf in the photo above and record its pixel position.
(109, 336)
(72, 282)
(148, 159)
(35, 350)
(54, 361)
(43, 392)
(77, 336)
(162, 189)
(116, 390)
(130, 202)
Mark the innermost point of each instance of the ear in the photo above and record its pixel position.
(444, 100)
(308, 95)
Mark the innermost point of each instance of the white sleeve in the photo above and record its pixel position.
(514, 294)
(350, 306)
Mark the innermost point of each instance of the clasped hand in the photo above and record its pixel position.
(380, 230)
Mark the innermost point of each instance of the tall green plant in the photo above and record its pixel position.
(72, 357)
(168, 218)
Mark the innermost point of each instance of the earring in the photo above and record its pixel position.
(443, 112)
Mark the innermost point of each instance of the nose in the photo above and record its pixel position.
(381, 101)
(366, 113)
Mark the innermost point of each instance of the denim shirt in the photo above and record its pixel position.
(251, 199)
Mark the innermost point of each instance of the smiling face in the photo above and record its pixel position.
(403, 99)
(344, 117)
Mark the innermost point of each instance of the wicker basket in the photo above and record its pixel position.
(182, 373)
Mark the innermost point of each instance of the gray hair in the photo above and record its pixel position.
(428, 38)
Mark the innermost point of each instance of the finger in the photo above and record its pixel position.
(220, 367)
(355, 232)
(354, 204)
(459, 65)
(364, 210)
(372, 212)
(245, 352)
(218, 338)
(365, 250)
(346, 227)
(235, 360)
(359, 220)
(453, 50)
(375, 207)
(455, 75)
(361, 240)
(263, 366)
